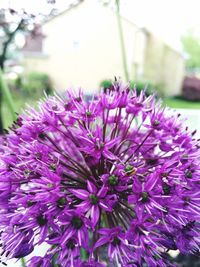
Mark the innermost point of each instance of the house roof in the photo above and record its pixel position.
(55, 13)
(33, 43)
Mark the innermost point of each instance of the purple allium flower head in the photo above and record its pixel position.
(114, 179)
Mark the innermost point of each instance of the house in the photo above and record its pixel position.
(82, 48)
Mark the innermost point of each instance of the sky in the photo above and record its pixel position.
(169, 19)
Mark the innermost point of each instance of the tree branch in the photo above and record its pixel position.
(10, 35)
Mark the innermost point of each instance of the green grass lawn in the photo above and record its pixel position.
(180, 103)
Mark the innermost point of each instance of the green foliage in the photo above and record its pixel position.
(191, 47)
(24, 90)
(31, 85)
(37, 83)
(20, 103)
(106, 84)
(139, 85)
(4, 89)
(175, 102)
(148, 86)
(23, 262)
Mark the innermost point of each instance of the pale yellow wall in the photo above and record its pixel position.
(153, 57)
(82, 48)
(172, 71)
(98, 55)
(163, 66)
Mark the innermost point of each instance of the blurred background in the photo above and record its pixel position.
(50, 46)
(59, 44)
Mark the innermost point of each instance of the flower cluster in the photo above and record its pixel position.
(113, 180)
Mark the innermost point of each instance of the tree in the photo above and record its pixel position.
(191, 47)
(13, 22)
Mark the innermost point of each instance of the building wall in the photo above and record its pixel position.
(82, 47)
(172, 71)
(163, 66)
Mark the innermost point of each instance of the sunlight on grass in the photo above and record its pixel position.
(180, 103)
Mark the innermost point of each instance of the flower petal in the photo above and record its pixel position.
(132, 199)
(83, 207)
(79, 193)
(95, 215)
(68, 234)
(112, 142)
(102, 192)
(107, 154)
(103, 240)
(104, 206)
(91, 187)
(151, 182)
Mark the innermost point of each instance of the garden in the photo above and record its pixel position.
(106, 175)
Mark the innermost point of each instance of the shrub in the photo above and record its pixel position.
(149, 87)
(106, 84)
(191, 89)
(36, 83)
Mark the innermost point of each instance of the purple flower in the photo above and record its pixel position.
(66, 252)
(96, 147)
(75, 226)
(90, 263)
(12, 249)
(112, 180)
(145, 194)
(115, 240)
(93, 201)
(40, 261)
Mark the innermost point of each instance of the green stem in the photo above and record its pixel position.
(7, 95)
(23, 262)
(105, 220)
(54, 260)
(121, 36)
(84, 255)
